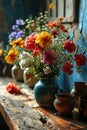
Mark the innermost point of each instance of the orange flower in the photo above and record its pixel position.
(17, 42)
(44, 39)
(51, 6)
(61, 19)
(53, 24)
(1, 52)
(12, 56)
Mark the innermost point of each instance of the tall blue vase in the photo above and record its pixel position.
(44, 91)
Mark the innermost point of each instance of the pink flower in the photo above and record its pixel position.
(69, 46)
(30, 42)
(49, 56)
(67, 68)
(31, 45)
(80, 59)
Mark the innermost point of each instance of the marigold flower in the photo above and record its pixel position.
(80, 59)
(17, 42)
(67, 68)
(51, 6)
(51, 24)
(12, 56)
(44, 39)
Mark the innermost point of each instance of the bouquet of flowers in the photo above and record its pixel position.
(42, 46)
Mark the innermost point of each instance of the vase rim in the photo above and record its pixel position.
(61, 95)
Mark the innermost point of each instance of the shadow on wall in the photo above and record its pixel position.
(10, 10)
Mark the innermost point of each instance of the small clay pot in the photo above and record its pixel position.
(82, 105)
(80, 88)
(64, 103)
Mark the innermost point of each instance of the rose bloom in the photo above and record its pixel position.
(69, 46)
(67, 68)
(80, 59)
(44, 39)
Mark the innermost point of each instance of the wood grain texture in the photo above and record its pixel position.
(21, 112)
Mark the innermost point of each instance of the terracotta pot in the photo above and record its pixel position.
(82, 106)
(64, 103)
(80, 88)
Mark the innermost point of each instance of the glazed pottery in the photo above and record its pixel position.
(17, 73)
(29, 79)
(44, 91)
(82, 105)
(64, 103)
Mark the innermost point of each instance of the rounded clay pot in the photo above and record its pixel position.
(64, 103)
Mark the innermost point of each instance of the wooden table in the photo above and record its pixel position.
(21, 112)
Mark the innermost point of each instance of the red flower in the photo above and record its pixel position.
(12, 88)
(67, 68)
(69, 46)
(80, 59)
(30, 42)
(31, 45)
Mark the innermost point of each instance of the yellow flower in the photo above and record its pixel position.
(12, 56)
(51, 6)
(1, 52)
(44, 39)
(17, 42)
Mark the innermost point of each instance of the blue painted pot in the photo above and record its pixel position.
(44, 91)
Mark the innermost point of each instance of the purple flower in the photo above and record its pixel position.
(19, 22)
(20, 34)
(15, 27)
(48, 57)
(54, 33)
(12, 35)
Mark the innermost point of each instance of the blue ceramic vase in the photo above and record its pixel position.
(44, 91)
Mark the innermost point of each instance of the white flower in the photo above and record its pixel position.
(47, 70)
(26, 55)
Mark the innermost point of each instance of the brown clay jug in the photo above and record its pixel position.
(64, 103)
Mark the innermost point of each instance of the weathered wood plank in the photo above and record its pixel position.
(21, 112)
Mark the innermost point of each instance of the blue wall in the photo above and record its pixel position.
(66, 82)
